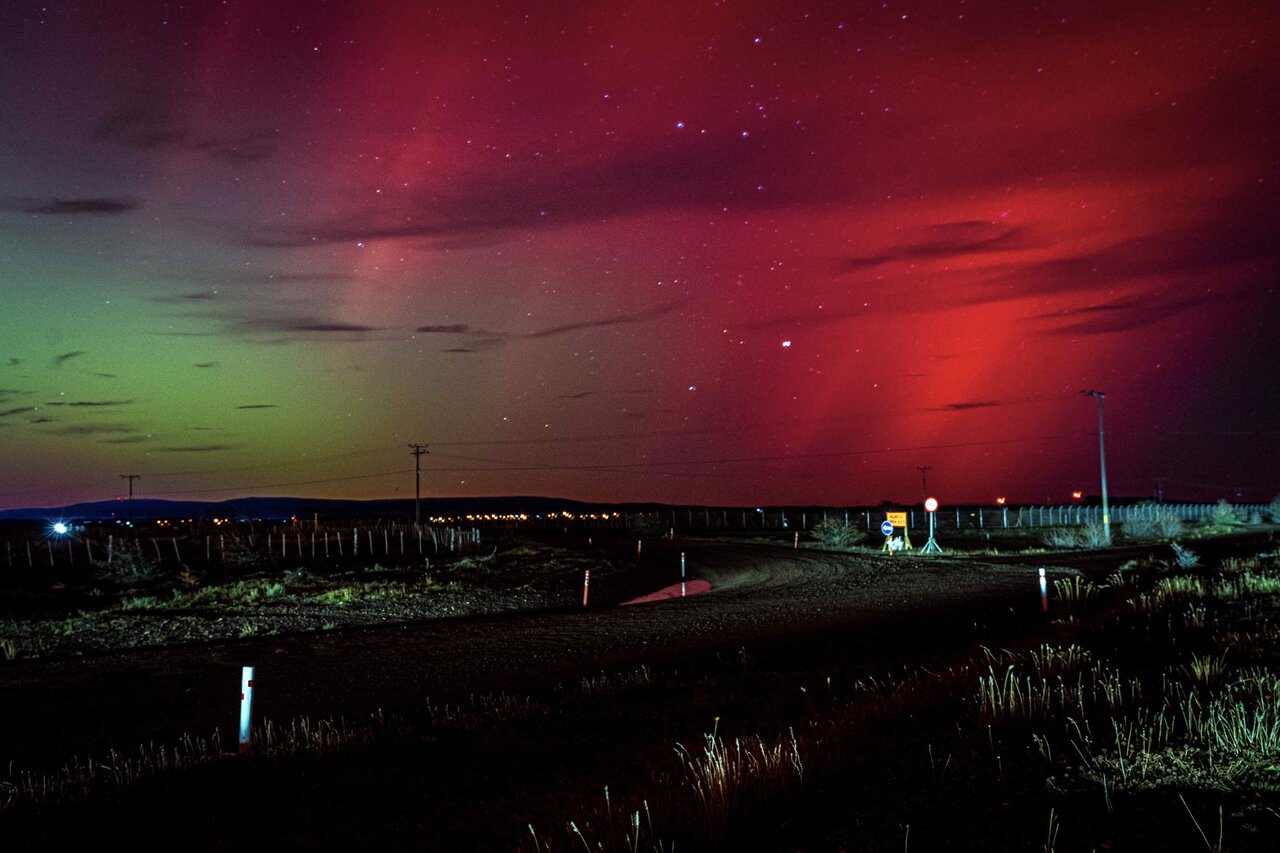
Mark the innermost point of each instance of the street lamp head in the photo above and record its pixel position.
(1093, 393)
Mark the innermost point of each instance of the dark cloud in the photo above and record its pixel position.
(19, 410)
(93, 429)
(457, 349)
(43, 420)
(127, 439)
(183, 298)
(451, 329)
(1127, 315)
(302, 325)
(966, 406)
(582, 395)
(197, 448)
(205, 365)
(697, 173)
(69, 206)
(105, 375)
(484, 340)
(946, 240)
(59, 360)
(259, 406)
(92, 403)
(244, 321)
(14, 362)
(1237, 247)
(146, 121)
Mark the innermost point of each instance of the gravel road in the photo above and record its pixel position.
(761, 596)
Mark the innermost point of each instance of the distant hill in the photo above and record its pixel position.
(281, 508)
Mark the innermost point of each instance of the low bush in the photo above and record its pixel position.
(837, 535)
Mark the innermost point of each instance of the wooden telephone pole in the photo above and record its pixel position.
(417, 450)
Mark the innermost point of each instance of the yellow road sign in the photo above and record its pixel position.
(897, 519)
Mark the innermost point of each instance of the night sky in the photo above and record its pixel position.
(721, 252)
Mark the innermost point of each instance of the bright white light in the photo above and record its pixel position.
(786, 344)
(59, 528)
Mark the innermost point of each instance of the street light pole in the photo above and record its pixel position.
(1102, 458)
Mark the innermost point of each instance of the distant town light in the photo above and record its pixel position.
(59, 528)
(1000, 501)
(1077, 494)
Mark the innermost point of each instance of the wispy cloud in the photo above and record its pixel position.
(59, 360)
(91, 403)
(258, 406)
(450, 329)
(582, 395)
(197, 448)
(7, 413)
(93, 429)
(248, 321)
(96, 206)
(482, 339)
(946, 240)
(1126, 315)
(695, 173)
(966, 406)
(146, 120)
(14, 362)
(205, 365)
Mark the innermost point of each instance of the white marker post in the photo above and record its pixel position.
(796, 545)
(586, 586)
(246, 710)
(638, 542)
(682, 589)
(1044, 592)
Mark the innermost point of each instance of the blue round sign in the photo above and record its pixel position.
(886, 527)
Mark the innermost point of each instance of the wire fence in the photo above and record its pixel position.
(206, 543)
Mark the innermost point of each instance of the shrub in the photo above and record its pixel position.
(837, 535)
(1153, 521)
(1184, 558)
(1092, 535)
(1273, 510)
(1225, 515)
(1061, 537)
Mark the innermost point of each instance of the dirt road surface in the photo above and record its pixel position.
(761, 597)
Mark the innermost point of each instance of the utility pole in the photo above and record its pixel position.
(129, 505)
(1160, 481)
(417, 450)
(924, 481)
(1102, 458)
